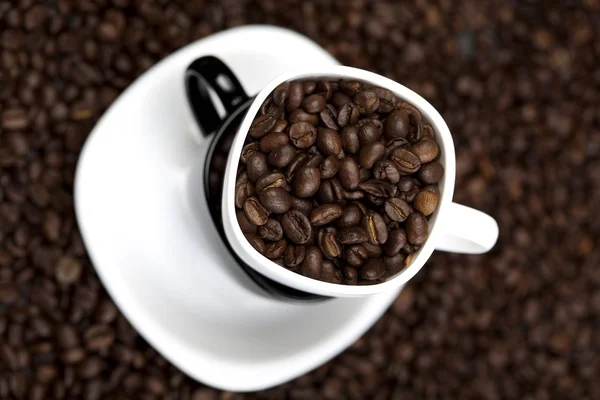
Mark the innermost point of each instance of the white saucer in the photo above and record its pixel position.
(143, 216)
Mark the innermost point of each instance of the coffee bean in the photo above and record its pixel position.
(339, 99)
(281, 156)
(66, 336)
(271, 231)
(309, 86)
(350, 141)
(272, 141)
(395, 243)
(325, 214)
(312, 264)
(407, 162)
(375, 226)
(277, 200)
(431, 173)
(428, 132)
(329, 117)
(348, 115)
(297, 163)
(355, 255)
(296, 226)
(386, 170)
(427, 150)
(387, 100)
(416, 228)
(378, 188)
(350, 275)
(395, 263)
(262, 125)
(300, 115)
(353, 235)
(256, 242)
(350, 88)
(426, 202)
(397, 209)
(396, 125)
(313, 161)
(255, 211)
(248, 150)
(368, 133)
(367, 101)
(314, 103)
(281, 93)
(370, 154)
(349, 173)
(295, 97)
(270, 181)
(325, 193)
(303, 135)
(243, 190)
(294, 255)
(245, 225)
(325, 88)
(328, 141)
(330, 167)
(373, 269)
(326, 239)
(302, 205)
(14, 119)
(276, 249)
(351, 216)
(306, 182)
(257, 166)
(280, 126)
(67, 270)
(328, 272)
(415, 132)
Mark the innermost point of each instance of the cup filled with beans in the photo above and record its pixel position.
(339, 183)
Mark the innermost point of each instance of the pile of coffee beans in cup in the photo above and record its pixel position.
(337, 181)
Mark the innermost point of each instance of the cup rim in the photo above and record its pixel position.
(282, 275)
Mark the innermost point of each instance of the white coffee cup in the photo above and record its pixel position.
(452, 227)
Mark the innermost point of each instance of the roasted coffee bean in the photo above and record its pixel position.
(309, 86)
(281, 156)
(338, 190)
(405, 184)
(416, 228)
(367, 101)
(410, 248)
(353, 235)
(350, 141)
(245, 225)
(277, 200)
(326, 239)
(351, 216)
(270, 181)
(302, 205)
(269, 108)
(271, 231)
(407, 162)
(243, 189)
(297, 163)
(354, 195)
(262, 125)
(355, 255)
(294, 256)
(349, 173)
(386, 170)
(300, 115)
(275, 249)
(295, 96)
(255, 211)
(330, 167)
(315, 103)
(397, 209)
(280, 126)
(303, 135)
(325, 214)
(314, 161)
(325, 193)
(296, 226)
(368, 133)
(350, 88)
(350, 275)
(427, 150)
(339, 99)
(370, 154)
(248, 150)
(373, 250)
(328, 141)
(410, 195)
(348, 115)
(395, 263)
(312, 264)
(272, 141)
(281, 93)
(396, 125)
(373, 269)
(374, 224)
(378, 188)
(329, 117)
(257, 166)
(426, 202)
(431, 173)
(306, 182)
(256, 242)
(325, 88)
(415, 131)
(328, 272)
(387, 100)
(395, 243)
(428, 132)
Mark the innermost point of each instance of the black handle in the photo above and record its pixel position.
(207, 73)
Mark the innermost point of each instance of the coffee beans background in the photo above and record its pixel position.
(518, 84)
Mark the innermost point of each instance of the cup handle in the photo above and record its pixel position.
(467, 230)
(206, 74)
